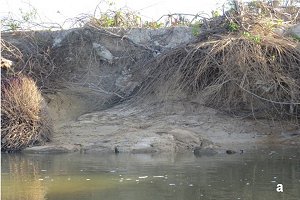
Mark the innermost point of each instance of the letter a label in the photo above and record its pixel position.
(279, 188)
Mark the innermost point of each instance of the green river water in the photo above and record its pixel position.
(255, 174)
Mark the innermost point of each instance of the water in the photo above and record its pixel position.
(251, 175)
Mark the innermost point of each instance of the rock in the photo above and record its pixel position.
(295, 30)
(179, 36)
(117, 150)
(199, 152)
(139, 35)
(144, 150)
(206, 143)
(161, 39)
(99, 147)
(49, 149)
(185, 139)
(61, 35)
(279, 31)
(153, 144)
(103, 52)
(230, 151)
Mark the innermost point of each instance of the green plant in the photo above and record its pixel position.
(10, 24)
(28, 16)
(23, 20)
(153, 25)
(279, 22)
(117, 18)
(296, 37)
(215, 13)
(271, 24)
(113, 16)
(254, 38)
(233, 26)
(196, 28)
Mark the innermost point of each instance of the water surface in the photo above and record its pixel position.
(251, 175)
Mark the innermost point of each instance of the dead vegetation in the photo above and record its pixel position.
(31, 57)
(24, 118)
(239, 64)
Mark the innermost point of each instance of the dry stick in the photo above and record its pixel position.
(185, 14)
(271, 101)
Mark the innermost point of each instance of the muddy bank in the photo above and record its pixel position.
(88, 76)
(172, 127)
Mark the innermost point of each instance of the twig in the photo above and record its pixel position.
(268, 100)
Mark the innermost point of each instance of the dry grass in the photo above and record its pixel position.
(24, 120)
(239, 64)
(234, 73)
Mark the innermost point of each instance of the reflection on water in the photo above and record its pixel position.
(252, 175)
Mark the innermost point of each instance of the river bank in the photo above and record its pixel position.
(90, 79)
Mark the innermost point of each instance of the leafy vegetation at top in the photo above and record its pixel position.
(111, 16)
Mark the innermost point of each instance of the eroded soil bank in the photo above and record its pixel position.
(87, 77)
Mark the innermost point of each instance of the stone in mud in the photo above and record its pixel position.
(185, 139)
(199, 152)
(230, 151)
(49, 149)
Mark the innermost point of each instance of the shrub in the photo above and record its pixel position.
(24, 119)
